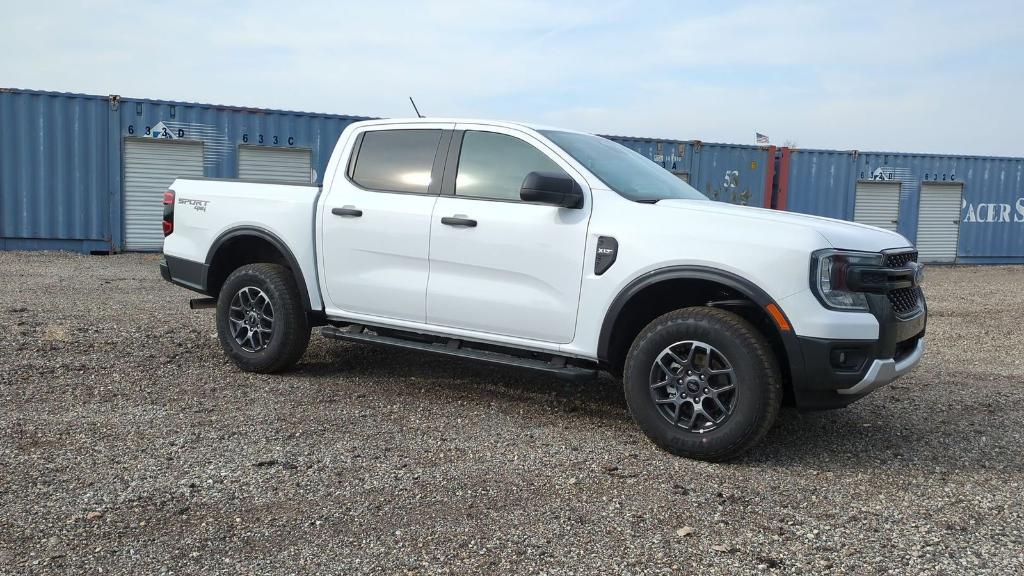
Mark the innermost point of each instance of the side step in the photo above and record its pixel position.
(453, 347)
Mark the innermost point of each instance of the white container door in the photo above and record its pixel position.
(877, 204)
(938, 222)
(275, 164)
(149, 169)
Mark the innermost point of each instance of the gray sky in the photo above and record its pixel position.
(908, 76)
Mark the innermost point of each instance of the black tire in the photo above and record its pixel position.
(290, 327)
(755, 372)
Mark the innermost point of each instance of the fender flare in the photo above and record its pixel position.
(274, 241)
(791, 343)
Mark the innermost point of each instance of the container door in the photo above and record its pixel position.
(938, 222)
(275, 164)
(149, 169)
(877, 204)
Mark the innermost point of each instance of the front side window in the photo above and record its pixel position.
(494, 165)
(396, 160)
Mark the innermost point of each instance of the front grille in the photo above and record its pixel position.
(904, 300)
(901, 259)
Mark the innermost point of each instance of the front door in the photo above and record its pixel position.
(499, 265)
(376, 222)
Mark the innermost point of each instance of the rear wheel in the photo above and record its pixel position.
(702, 383)
(261, 322)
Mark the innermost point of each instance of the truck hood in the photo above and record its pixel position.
(839, 233)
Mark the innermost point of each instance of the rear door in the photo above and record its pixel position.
(515, 269)
(376, 222)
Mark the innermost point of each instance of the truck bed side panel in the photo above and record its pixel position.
(205, 209)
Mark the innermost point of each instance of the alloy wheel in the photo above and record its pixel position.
(693, 386)
(251, 318)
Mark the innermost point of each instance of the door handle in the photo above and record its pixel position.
(347, 211)
(458, 221)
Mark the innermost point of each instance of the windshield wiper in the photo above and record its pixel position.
(647, 200)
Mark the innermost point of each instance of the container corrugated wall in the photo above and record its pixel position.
(732, 173)
(991, 219)
(55, 167)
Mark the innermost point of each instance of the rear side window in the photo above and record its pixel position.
(493, 165)
(396, 160)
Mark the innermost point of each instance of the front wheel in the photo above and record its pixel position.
(702, 383)
(261, 321)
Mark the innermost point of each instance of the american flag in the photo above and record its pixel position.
(761, 138)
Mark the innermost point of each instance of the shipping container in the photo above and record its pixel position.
(86, 173)
(734, 173)
(55, 172)
(967, 209)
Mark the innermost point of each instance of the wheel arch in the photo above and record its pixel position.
(612, 344)
(222, 257)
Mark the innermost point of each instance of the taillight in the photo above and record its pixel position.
(168, 212)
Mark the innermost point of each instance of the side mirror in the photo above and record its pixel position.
(554, 188)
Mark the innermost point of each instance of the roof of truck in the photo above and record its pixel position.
(484, 121)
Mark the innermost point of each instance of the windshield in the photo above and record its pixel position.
(623, 170)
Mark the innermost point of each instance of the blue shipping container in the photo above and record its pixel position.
(55, 172)
(733, 173)
(223, 129)
(61, 156)
(991, 221)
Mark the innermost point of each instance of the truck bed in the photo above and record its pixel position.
(208, 211)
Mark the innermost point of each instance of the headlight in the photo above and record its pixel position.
(828, 278)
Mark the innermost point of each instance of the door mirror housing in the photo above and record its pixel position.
(553, 188)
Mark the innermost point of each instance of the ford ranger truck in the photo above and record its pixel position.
(557, 251)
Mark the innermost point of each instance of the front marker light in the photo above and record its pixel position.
(828, 278)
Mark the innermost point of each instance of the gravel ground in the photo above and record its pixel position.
(130, 446)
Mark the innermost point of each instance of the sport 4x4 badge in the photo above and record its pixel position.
(199, 205)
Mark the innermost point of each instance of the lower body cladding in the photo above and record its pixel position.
(838, 372)
(184, 273)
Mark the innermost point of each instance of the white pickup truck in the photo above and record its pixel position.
(558, 251)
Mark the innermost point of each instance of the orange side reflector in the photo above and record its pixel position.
(779, 317)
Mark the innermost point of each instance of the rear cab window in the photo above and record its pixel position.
(395, 160)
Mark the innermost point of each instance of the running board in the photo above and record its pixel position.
(557, 365)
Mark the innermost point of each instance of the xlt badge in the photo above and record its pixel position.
(607, 250)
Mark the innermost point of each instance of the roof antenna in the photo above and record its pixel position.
(418, 115)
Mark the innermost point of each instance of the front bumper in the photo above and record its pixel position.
(882, 372)
(838, 372)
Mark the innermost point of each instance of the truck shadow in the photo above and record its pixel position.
(431, 378)
(907, 425)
